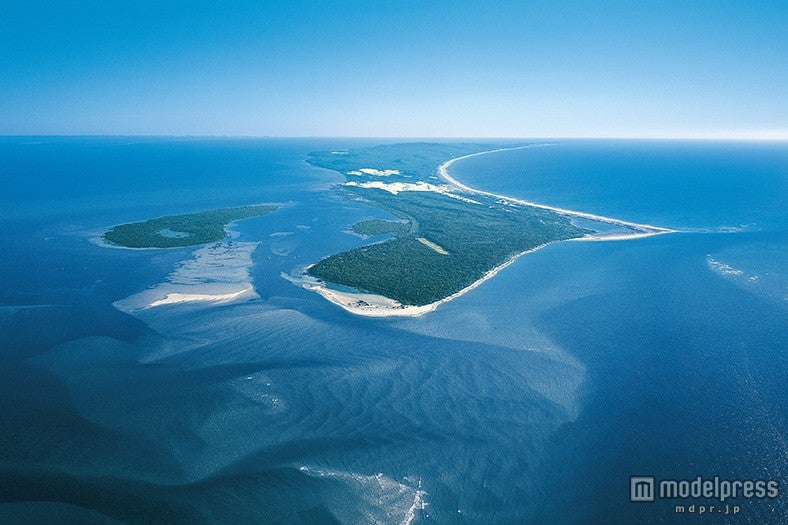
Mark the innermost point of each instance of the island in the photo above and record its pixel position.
(216, 274)
(177, 231)
(445, 238)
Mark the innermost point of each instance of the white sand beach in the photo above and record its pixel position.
(643, 230)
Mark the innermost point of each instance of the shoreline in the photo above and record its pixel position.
(646, 230)
(373, 305)
(98, 239)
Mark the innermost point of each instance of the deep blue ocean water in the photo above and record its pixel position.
(531, 399)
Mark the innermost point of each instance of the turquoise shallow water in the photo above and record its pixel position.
(531, 399)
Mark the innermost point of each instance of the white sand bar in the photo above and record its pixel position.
(217, 274)
(173, 298)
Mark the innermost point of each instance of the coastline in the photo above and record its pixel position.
(373, 305)
(646, 229)
(96, 236)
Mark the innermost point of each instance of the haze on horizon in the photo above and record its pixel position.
(396, 69)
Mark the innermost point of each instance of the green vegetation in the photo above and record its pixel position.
(372, 227)
(174, 231)
(477, 236)
(414, 161)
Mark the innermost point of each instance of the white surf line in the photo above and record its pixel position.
(489, 274)
(646, 229)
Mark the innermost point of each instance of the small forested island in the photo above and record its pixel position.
(176, 231)
(446, 238)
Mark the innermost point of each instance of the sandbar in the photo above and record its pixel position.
(216, 274)
(173, 298)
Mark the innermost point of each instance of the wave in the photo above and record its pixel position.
(384, 499)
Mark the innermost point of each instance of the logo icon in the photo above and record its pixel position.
(641, 488)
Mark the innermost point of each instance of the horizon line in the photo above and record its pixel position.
(720, 138)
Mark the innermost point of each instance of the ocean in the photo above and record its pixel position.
(531, 399)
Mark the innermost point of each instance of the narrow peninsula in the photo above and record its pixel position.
(446, 237)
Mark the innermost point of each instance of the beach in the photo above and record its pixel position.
(645, 229)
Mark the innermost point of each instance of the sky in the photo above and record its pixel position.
(405, 68)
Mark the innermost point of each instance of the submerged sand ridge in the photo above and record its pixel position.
(217, 273)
